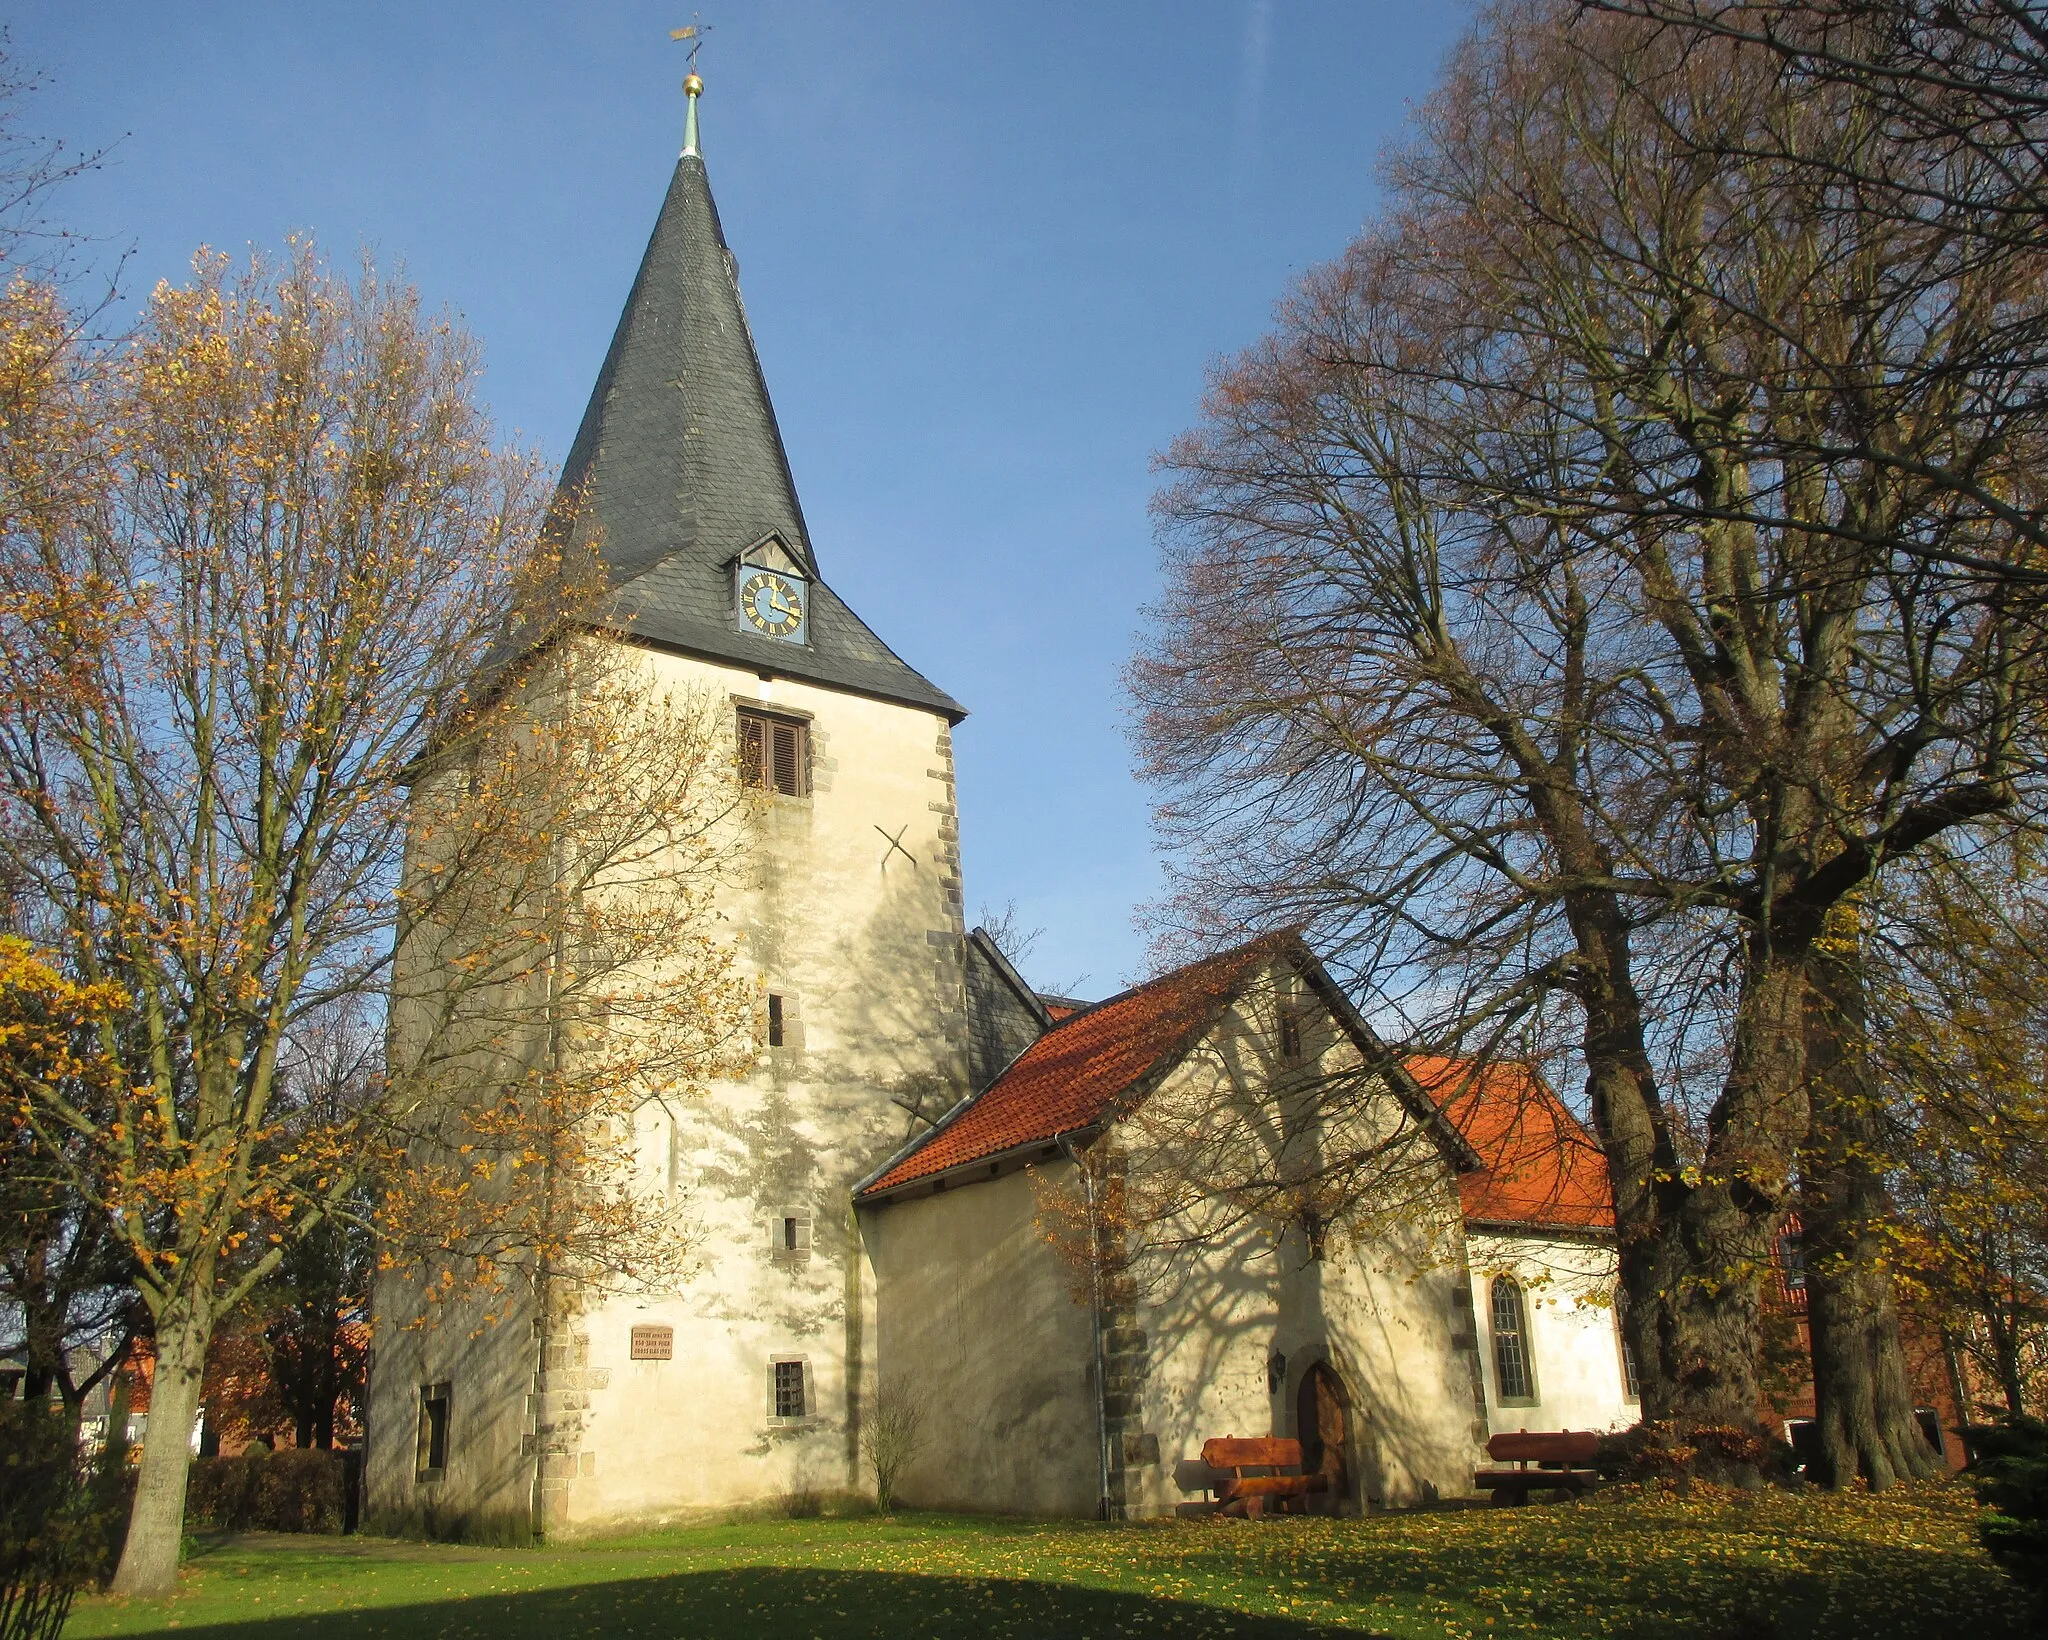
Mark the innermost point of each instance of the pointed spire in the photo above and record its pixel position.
(693, 88)
(682, 466)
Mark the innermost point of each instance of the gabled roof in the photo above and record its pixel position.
(1029, 1000)
(1092, 1065)
(1541, 1169)
(681, 462)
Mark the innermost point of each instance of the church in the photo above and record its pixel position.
(872, 1206)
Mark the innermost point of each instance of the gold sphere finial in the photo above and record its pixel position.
(692, 85)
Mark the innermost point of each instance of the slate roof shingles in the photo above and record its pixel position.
(685, 468)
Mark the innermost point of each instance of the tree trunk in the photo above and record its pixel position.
(2005, 1354)
(156, 1524)
(1621, 1092)
(1719, 1231)
(1715, 1242)
(42, 1325)
(327, 1379)
(1862, 1392)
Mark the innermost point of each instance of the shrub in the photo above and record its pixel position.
(802, 1502)
(297, 1490)
(1669, 1452)
(891, 1436)
(2010, 1473)
(54, 1531)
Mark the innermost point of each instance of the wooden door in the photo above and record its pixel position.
(1323, 1419)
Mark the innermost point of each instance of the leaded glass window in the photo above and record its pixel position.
(1514, 1372)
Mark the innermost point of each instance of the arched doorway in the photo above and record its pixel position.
(1322, 1418)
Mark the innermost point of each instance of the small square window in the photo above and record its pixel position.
(789, 1390)
(433, 1435)
(789, 1236)
(774, 1020)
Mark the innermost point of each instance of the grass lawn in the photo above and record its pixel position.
(1743, 1567)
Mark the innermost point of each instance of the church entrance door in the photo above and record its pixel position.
(1322, 1417)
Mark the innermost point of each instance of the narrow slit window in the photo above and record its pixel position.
(774, 754)
(433, 1439)
(774, 1020)
(1792, 1262)
(789, 1236)
(1513, 1370)
(1631, 1379)
(791, 1397)
(1292, 1007)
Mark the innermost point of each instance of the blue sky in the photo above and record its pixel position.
(988, 250)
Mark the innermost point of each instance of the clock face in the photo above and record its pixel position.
(773, 604)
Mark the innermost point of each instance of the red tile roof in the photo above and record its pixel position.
(1540, 1167)
(1068, 1079)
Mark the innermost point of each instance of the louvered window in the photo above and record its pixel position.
(774, 754)
(1792, 1263)
(1513, 1370)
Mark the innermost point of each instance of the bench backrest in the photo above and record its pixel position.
(1553, 1446)
(1260, 1452)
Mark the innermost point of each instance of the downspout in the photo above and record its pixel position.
(1095, 1316)
(544, 1279)
(543, 1272)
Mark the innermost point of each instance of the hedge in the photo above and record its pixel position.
(298, 1489)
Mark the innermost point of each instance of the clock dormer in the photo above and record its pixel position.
(772, 592)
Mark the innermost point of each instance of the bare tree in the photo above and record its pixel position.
(1952, 158)
(1502, 644)
(892, 1434)
(32, 169)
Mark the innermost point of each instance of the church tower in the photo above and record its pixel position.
(746, 1383)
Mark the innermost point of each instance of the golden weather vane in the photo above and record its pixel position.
(693, 87)
(695, 35)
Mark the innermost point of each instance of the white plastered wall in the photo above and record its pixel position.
(1231, 1333)
(979, 1312)
(980, 1323)
(847, 904)
(1574, 1345)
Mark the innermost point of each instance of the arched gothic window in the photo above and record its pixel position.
(1631, 1379)
(1513, 1369)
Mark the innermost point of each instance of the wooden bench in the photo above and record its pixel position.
(1246, 1495)
(1563, 1462)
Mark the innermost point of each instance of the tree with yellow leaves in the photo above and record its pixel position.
(1964, 1050)
(294, 712)
(63, 1269)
